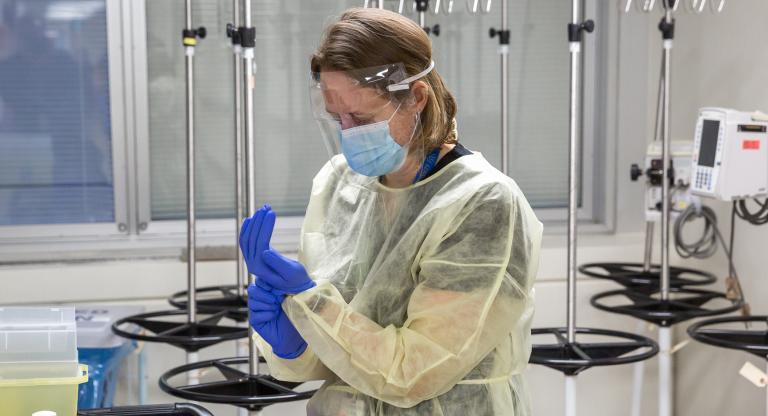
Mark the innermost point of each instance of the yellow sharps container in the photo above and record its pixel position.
(38, 361)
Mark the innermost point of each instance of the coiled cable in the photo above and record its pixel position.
(706, 245)
(756, 218)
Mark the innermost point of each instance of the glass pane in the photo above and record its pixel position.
(285, 132)
(290, 151)
(55, 143)
(538, 91)
(167, 109)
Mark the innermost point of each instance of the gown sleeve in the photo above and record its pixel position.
(305, 367)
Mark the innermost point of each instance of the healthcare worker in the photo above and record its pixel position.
(413, 289)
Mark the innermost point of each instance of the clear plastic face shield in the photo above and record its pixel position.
(369, 118)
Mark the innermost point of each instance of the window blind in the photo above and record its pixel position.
(55, 143)
(289, 149)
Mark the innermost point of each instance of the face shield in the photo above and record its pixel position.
(366, 118)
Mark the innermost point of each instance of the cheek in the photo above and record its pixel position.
(401, 129)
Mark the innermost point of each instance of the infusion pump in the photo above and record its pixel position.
(730, 155)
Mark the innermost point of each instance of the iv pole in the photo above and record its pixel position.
(248, 38)
(190, 41)
(503, 34)
(251, 391)
(238, 74)
(200, 329)
(575, 29)
(237, 49)
(567, 355)
(650, 226)
(666, 388)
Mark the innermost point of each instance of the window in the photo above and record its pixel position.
(538, 91)
(286, 135)
(55, 137)
(92, 113)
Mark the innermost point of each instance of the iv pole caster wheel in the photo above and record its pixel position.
(172, 327)
(683, 304)
(215, 299)
(233, 386)
(573, 358)
(632, 275)
(751, 340)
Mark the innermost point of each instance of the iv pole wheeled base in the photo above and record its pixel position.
(571, 358)
(234, 387)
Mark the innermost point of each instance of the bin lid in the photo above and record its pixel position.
(37, 334)
(94, 324)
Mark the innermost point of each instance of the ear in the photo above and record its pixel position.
(420, 91)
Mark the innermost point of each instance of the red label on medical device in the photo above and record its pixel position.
(751, 145)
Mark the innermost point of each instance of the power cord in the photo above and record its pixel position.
(756, 218)
(706, 245)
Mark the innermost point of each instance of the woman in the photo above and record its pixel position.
(413, 290)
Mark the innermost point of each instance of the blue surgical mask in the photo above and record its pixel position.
(370, 150)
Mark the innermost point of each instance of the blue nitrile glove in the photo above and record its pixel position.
(253, 241)
(287, 275)
(269, 320)
(273, 271)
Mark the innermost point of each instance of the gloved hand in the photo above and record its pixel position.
(273, 271)
(254, 239)
(270, 322)
(287, 275)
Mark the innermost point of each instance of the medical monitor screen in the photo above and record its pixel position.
(708, 146)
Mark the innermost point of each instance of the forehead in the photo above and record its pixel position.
(343, 94)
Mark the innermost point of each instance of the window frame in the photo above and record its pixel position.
(14, 234)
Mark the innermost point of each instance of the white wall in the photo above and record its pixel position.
(721, 60)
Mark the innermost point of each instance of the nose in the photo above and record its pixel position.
(346, 121)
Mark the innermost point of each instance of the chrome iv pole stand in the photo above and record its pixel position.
(666, 388)
(567, 355)
(656, 305)
(503, 34)
(200, 328)
(249, 390)
(575, 31)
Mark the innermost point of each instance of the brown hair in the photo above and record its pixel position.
(364, 38)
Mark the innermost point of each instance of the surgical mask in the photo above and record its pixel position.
(370, 150)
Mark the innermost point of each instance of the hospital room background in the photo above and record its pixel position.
(93, 173)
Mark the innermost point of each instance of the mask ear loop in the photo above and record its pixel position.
(400, 104)
(416, 125)
(407, 146)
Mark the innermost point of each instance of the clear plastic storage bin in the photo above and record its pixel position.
(38, 361)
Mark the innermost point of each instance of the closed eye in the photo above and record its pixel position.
(361, 120)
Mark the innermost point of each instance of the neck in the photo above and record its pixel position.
(404, 176)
